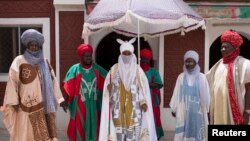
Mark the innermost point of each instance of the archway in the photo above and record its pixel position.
(108, 51)
(215, 54)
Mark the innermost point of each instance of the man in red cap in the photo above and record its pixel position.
(229, 81)
(84, 84)
(155, 84)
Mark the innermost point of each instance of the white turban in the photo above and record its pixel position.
(126, 45)
(32, 35)
(191, 54)
(127, 63)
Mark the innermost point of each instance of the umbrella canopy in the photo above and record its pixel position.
(142, 17)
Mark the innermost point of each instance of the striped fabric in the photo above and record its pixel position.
(84, 101)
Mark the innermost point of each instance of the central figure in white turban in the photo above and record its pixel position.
(126, 109)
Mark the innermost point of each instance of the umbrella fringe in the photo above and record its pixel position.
(88, 31)
(163, 33)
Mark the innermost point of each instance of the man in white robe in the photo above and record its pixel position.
(229, 81)
(126, 108)
(190, 101)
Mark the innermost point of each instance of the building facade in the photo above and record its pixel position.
(61, 21)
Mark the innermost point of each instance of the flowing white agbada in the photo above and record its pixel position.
(177, 106)
(190, 102)
(147, 132)
(220, 101)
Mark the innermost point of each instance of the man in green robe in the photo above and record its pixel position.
(83, 85)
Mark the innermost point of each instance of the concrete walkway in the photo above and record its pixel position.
(4, 135)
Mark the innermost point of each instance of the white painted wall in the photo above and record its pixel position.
(69, 2)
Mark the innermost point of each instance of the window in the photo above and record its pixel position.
(10, 45)
(11, 30)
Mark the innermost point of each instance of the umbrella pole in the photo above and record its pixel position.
(138, 41)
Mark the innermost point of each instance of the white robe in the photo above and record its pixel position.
(148, 132)
(220, 110)
(180, 109)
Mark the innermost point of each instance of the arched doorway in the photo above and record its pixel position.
(108, 50)
(215, 54)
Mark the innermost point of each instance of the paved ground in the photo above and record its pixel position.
(4, 136)
(168, 136)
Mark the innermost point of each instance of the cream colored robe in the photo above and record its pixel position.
(220, 110)
(25, 125)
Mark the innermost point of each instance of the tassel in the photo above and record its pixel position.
(127, 17)
(203, 27)
(182, 33)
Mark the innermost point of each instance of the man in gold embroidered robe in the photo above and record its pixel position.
(127, 113)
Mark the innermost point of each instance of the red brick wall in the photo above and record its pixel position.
(25, 8)
(175, 48)
(71, 26)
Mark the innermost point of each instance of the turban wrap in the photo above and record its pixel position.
(146, 53)
(236, 41)
(32, 35)
(191, 54)
(232, 37)
(126, 47)
(82, 48)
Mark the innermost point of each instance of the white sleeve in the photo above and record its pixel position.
(175, 97)
(205, 93)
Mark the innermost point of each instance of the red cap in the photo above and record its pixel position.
(232, 37)
(146, 53)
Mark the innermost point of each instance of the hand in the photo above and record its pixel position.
(64, 105)
(153, 85)
(15, 107)
(109, 138)
(109, 87)
(144, 107)
(173, 114)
